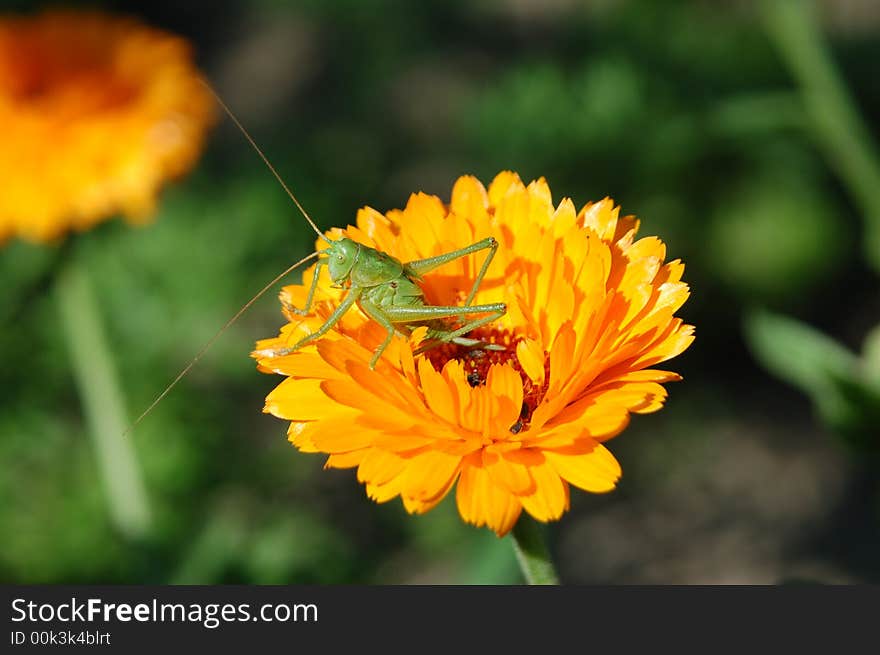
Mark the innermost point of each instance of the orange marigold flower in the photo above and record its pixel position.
(97, 112)
(590, 313)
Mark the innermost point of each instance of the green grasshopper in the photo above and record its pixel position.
(383, 287)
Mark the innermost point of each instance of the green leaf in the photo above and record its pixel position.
(871, 357)
(847, 402)
(853, 411)
(797, 353)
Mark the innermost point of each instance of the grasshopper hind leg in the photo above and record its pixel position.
(465, 342)
(439, 337)
(476, 343)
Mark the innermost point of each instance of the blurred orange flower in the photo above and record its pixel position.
(590, 313)
(97, 112)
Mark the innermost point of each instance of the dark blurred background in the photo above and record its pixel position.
(708, 120)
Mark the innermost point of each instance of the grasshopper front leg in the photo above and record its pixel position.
(349, 300)
(305, 310)
(380, 315)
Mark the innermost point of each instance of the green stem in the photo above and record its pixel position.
(838, 127)
(98, 387)
(531, 552)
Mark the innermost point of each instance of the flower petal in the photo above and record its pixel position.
(469, 198)
(482, 502)
(505, 472)
(428, 473)
(531, 357)
(380, 466)
(549, 500)
(301, 400)
(596, 471)
(438, 395)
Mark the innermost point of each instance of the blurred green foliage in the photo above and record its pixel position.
(684, 112)
(844, 388)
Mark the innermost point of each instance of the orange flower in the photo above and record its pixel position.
(590, 313)
(97, 113)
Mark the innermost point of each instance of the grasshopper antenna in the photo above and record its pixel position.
(214, 338)
(265, 160)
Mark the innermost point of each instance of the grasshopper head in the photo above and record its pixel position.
(341, 258)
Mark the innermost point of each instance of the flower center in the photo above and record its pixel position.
(477, 360)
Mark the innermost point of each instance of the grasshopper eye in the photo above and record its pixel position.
(340, 258)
